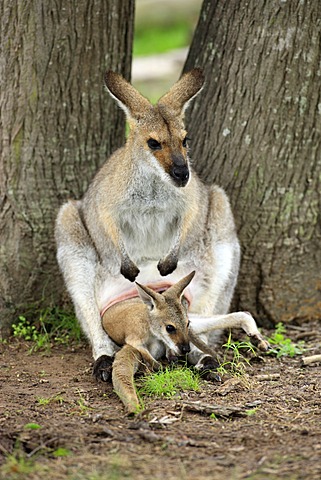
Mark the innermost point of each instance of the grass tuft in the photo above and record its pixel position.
(234, 361)
(169, 382)
(283, 346)
(53, 326)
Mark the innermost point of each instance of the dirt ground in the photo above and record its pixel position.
(84, 434)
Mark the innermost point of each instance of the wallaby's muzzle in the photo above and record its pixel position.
(179, 171)
(180, 175)
(184, 348)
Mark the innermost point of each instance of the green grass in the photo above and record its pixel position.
(52, 325)
(54, 399)
(18, 467)
(169, 382)
(32, 426)
(283, 346)
(235, 361)
(153, 39)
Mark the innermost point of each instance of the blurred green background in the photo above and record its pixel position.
(163, 33)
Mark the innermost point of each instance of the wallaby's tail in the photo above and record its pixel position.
(126, 364)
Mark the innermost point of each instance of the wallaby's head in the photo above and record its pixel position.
(158, 135)
(168, 314)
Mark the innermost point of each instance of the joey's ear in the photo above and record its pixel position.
(178, 288)
(147, 295)
(129, 99)
(183, 91)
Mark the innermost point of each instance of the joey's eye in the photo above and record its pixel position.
(185, 142)
(170, 329)
(154, 144)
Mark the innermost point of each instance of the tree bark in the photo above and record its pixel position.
(256, 131)
(58, 125)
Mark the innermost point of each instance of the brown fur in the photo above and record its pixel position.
(147, 215)
(136, 327)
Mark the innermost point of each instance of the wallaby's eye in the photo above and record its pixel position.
(154, 144)
(185, 142)
(170, 329)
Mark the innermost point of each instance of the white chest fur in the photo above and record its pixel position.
(149, 217)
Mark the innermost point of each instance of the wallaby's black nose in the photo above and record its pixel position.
(180, 174)
(185, 348)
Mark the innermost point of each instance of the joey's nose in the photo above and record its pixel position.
(180, 175)
(185, 348)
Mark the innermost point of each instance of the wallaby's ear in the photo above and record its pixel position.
(178, 288)
(148, 296)
(129, 99)
(183, 91)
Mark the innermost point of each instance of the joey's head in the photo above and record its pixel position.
(157, 132)
(168, 315)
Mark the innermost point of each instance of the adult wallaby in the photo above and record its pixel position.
(145, 215)
(149, 326)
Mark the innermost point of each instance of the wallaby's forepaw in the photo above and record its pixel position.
(156, 366)
(102, 369)
(129, 270)
(208, 368)
(172, 358)
(167, 265)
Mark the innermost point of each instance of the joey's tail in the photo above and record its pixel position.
(126, 364)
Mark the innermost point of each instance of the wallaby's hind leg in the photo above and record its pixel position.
(220, 268)
(204, 324)
(201, 324)
(78, 261)
(126, 363)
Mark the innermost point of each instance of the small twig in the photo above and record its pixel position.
(311, 359)
(208, 409)
(269, 376)
(150, 436)
(296, 327)
(313, 333)
(40, 447)
(4, 450)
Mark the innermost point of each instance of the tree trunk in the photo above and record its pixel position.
(256, 131)
(58, 125)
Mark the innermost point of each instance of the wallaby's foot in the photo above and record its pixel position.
(129, 270)
(207, 367)
(102, 369)
(167, 265)
(132, 408)
(132, 412)
(260, 343)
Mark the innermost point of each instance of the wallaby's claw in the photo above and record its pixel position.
(167, 266)
(129, 271)
(208, 369)
(102, 369)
